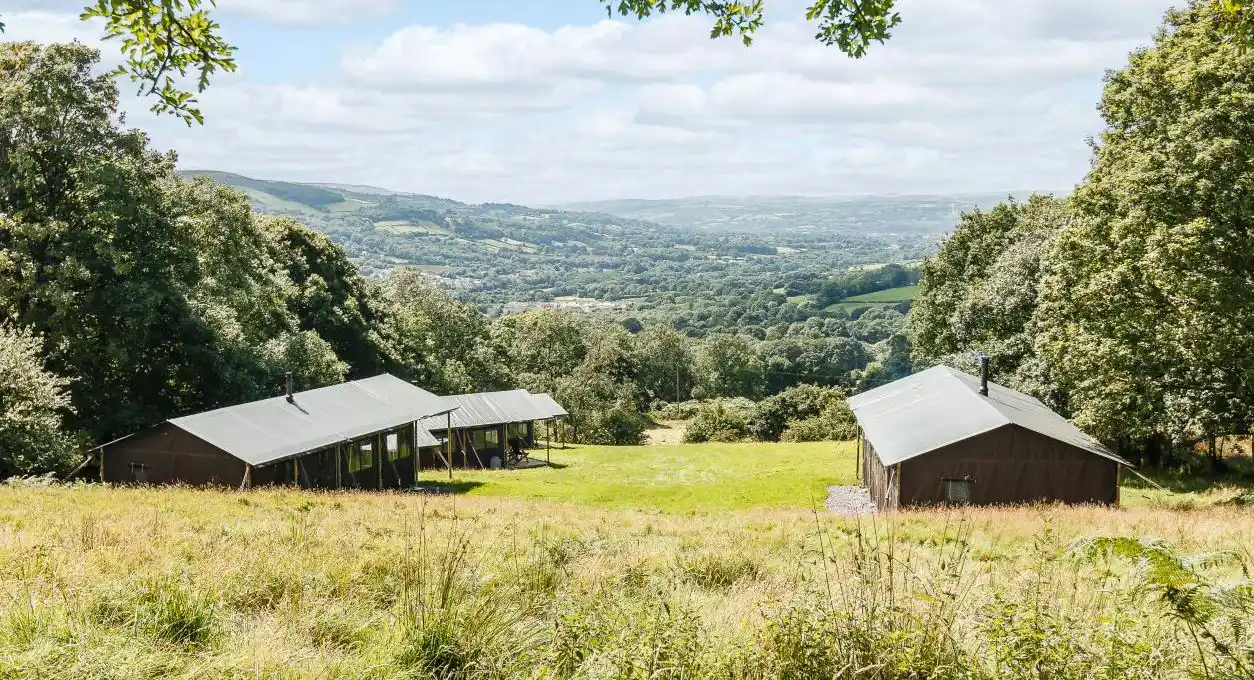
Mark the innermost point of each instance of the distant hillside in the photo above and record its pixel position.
(696, 279)
(859, 214)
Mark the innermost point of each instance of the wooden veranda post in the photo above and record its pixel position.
(380, 447)
(102, 465)
(247, 482)
(548, 442)
(448, 443)
(338, 466)
(857, 461)
(413, 452)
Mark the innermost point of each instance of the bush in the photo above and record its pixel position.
(684, 410)
(722, 420)
(816, 429)
(32, 402)
(792, 408)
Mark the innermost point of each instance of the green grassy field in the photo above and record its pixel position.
(718, 477)
(672, 478)
(903, 294)
(573, 572)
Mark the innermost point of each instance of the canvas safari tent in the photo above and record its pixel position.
(943, 436)
(360, 434)
(489, 429)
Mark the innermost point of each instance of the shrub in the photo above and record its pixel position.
(684, 410)
(786, 410)
(722, 420)
(32, 402)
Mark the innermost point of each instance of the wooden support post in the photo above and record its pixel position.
(548, 442)
(247, 482)
(1118, 485)
(102, 475)
(857, 462)
(413, 451)
(471, 445)
(339, 466)
(380, 446)
(448, 443)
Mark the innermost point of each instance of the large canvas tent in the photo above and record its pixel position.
(355, 434)
(944, 436)
(489, 425)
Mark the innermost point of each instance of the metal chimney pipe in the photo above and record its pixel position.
(290, 399)
(983, 375)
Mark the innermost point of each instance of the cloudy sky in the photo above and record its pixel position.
(545, 101)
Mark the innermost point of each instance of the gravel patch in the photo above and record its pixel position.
(849, 500)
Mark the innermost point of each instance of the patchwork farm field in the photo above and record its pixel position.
(903, 294)
(679, 562)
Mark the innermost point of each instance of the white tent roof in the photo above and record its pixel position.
(940, 406)
(271, 430)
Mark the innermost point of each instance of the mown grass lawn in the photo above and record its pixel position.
(674, 478)
(716, 477)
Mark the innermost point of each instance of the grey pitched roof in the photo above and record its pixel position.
(937, 407)
(483, 409)
(549, 406)
(271, 430)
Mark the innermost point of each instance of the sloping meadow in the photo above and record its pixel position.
(141, 583)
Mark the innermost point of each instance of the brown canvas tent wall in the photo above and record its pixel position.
(934, 438)
(361, 434)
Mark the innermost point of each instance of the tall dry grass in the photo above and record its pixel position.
(146, 583)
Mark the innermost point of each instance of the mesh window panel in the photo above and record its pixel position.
(958, 491)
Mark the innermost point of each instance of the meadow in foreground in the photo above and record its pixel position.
(148, 583)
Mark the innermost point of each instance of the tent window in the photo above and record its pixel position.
(360, 457)
(139, 472)
(492, 437)
(958, 491)
(393, 446)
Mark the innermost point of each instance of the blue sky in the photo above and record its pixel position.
(545, 102)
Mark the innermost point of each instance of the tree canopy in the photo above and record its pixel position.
(1131, 304)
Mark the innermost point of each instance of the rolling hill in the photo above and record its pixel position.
(498, 253)
(890, 215)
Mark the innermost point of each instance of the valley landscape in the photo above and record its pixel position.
(253, 427)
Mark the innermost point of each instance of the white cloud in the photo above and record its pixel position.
(280, 12)
(46, 26)
(968, 95)
(309, 12)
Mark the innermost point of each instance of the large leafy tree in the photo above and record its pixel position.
(445, 345)
(665, 363)
(979, 294)
(331, 298)
(243, 293)
(157, 296)
(1147, 305)
(542, 346)
(728, 366)
(91, 258)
